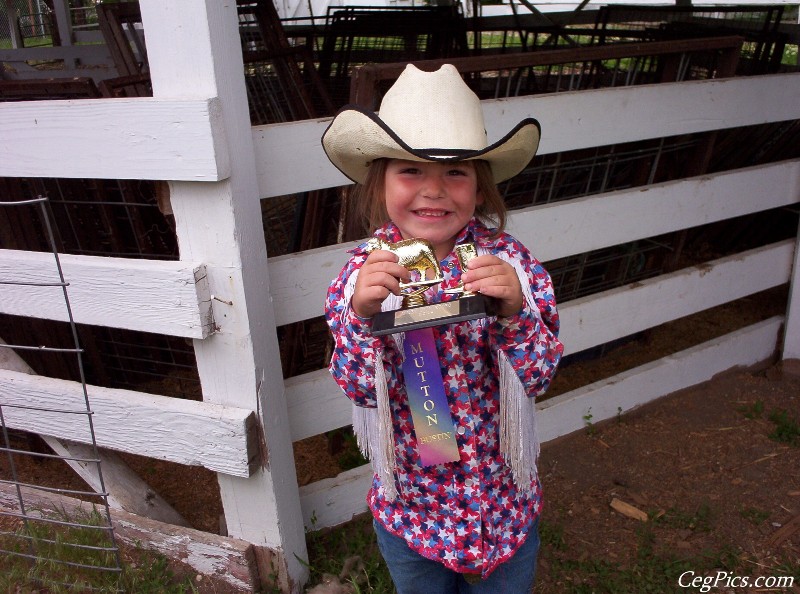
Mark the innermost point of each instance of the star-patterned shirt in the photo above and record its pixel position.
(468, 515)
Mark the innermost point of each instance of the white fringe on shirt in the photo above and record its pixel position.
(519, 440)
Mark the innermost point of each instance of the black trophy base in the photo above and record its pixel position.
(466, 308)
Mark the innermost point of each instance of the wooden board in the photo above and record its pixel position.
(137, 138)
(165, 297)
(220, 438)
(226, 564)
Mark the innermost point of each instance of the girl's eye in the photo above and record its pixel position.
(456, 172)
(410, 170)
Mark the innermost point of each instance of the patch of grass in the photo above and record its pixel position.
(349, 552)
(700, 520)
(551, 535)
(649, 571)
(752, 411)
(754, 516)
(76, 554)
(350, 455)
(787, 428)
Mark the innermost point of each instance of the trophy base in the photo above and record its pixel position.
(466, 308)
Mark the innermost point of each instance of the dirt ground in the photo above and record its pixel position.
(715, 469)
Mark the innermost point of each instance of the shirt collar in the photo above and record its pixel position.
(473, 232)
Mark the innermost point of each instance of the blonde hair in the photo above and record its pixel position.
(367, 200)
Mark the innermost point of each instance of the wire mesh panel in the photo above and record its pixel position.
(358, 35)
(283, 84)
(761, 52)
(72, 548)
(32, 20)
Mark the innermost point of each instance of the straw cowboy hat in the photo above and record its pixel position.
(426, 116)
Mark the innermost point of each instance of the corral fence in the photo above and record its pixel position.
(210, 172)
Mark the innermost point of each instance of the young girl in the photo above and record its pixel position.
(424, 169)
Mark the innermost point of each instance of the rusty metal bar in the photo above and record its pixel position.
(366, 78)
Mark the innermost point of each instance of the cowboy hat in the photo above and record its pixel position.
(426, 116)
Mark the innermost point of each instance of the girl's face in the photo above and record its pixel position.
(432, 201)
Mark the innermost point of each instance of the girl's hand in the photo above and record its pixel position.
(380, 275)
(493, 277)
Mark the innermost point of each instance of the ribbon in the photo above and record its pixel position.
(430, 413)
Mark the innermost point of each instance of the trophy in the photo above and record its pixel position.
(417, 255)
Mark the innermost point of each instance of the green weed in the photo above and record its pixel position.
(76, 554)
(753, 515)
(752, 411)
(787, 429)
(650, 571)
(350, 552)
(700, 520)
(587, 421)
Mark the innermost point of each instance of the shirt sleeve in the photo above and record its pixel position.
(355, 350)
(529, 339)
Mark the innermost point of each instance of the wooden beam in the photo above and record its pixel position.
(791, 340)
(137, 138)
(602, 318)
(743, 348)
(226, 564)
(316, 404)
(166, 297)
(221, 438)
(194, 50)
(613, 218)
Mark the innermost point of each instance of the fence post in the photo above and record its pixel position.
(194, 51)
(791, 336)
(13, 25)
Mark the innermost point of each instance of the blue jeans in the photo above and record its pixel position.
(414, 574)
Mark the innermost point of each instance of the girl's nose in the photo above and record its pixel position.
(433, 186)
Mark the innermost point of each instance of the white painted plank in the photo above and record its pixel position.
(290, 158)
(138, 138)
(565, 413)
(317, 405)
(293, 147)
(299, 281)
(582, 119)
(598, 319)
(332, 501)
(221, 438)
(166, 297)
(584, 224)
(336, 500)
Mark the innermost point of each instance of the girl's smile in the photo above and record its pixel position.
(432, 201)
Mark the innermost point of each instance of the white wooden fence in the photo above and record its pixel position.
(229, 298)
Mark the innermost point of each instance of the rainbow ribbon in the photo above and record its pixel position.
(430, 413)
